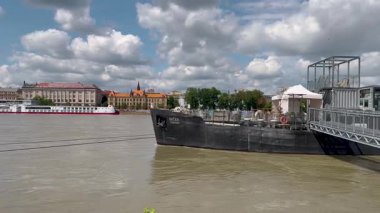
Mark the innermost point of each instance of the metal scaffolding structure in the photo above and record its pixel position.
(329, 73)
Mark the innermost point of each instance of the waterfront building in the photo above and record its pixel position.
(9, 94)
(138, 99)
(179, 97)
(71, 94)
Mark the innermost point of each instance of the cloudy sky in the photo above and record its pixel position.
(175, 44)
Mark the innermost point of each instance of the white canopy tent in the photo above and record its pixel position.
(290, 99)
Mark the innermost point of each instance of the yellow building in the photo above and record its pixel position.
(137, 99)
(74, 94)
(9, 94)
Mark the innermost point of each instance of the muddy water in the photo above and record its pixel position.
(112, 164)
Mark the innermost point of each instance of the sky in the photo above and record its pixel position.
(175, 44)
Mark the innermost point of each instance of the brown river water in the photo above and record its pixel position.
(64, 163)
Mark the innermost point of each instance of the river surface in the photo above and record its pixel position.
(64, 163)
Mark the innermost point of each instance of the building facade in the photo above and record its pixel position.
(138, 99)
(179, 97)
(73, 94)
(10, 94)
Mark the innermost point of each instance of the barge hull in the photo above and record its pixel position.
(183, 130)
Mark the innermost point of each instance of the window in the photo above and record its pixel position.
(365, 103)
(376, 99)
(365, 93)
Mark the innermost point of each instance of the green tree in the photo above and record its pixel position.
(172, 103)
(268, 106)
(303, 105)
(123, 106)
(208, 97)
(43, 101)
(145, 105)
(254, 99)
(192, 97)
(213, 93)
(224, 101)
(237, 100)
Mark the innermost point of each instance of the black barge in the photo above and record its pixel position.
(343, 118)
(179, 129)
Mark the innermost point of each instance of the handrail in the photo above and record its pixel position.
(346, 120)
(355, 110)
(350, 111)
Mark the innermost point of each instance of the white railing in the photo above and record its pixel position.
(355, 125)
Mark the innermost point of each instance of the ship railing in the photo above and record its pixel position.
(365, 123)
(259, 117)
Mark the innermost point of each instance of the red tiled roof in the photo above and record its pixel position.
(66, 85)
(138, 92)
(155, 95)
(121, 95)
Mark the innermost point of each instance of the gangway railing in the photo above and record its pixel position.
(354, 125)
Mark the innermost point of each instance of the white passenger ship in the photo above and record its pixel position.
(36, 109)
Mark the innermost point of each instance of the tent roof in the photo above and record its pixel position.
(297, 91)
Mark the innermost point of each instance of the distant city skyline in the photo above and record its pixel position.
(174, 44)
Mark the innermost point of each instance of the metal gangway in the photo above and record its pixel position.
(354, 125)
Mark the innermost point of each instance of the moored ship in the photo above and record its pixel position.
(179, 129)
(37, 109)
(332, 126)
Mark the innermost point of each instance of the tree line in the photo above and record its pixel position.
(212, 98)
(43, 101)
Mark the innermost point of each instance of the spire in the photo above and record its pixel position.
(131, 93)
(138, 85)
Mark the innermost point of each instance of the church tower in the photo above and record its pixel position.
(138, 85)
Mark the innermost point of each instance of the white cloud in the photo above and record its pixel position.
(189, 31)
(33, 62)
(302, 64)
(192, 5)
(194, 42)
(52, 42)
(183, 72)
(128, 73)
(5, 77)
(320, 27)
(72, 15)
(200, 42)
(110, 60)
(371, 66)
(78, 19)
(39, 68)
(113, 48)
(260, 68)
(296, 34)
